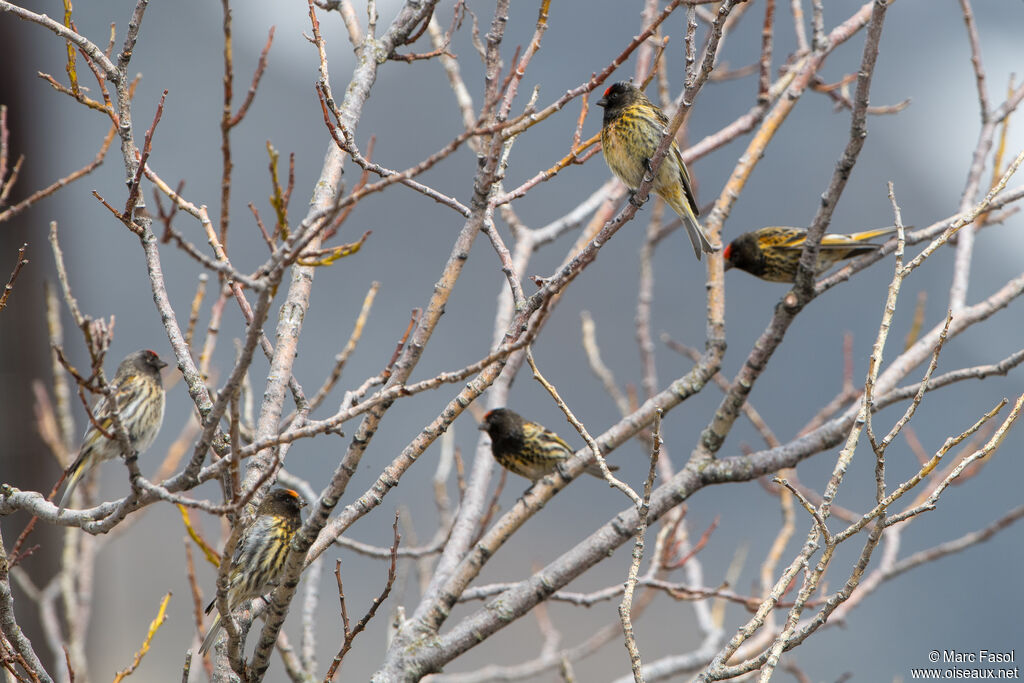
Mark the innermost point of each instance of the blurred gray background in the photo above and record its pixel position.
(966, 602)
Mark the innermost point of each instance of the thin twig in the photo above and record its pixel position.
(351, 633)
(18, 265)
(626, 606)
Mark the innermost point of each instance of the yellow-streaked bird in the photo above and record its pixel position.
(773, 253)
(631, 131)
(526, 448)
(139, 396)
(260, 553)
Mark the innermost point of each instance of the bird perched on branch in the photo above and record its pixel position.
(631, 131)
(139, 397)
(773, 253)
(526, 448)
(260, 553)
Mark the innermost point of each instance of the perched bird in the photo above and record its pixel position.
(139, 395)
(631, 131)
(527, 448)
(259, 554)
(773, 253)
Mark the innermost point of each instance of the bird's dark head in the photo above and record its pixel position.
(144, 361)
(501, 423)
(282, 501)
(617, 97)
(745, 254)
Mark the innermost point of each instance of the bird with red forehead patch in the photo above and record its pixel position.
(526, 448)
(138, 393)
(630, 134)
(773, 253)
(260, 553)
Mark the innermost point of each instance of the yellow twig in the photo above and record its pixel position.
(325, 257)
(997, 161)
(70, 67)
(277, 199)
(154, 626)
(211, 555)
(918, 320)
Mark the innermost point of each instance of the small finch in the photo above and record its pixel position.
(773, 253)
(139, 395)
(527, 448)
(632, 129)
(259, 554)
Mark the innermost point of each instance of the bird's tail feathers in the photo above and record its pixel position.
(698, 238)
(857, 240)
(211, 635)
(74, 476)
(869, 234)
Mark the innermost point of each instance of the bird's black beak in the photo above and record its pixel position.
(603, 102)
(160, 364)
(482, 426)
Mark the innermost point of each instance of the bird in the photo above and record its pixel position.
(631, 130)
(260, 553)
(526, 448)
(773, 253)
(138, 392)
